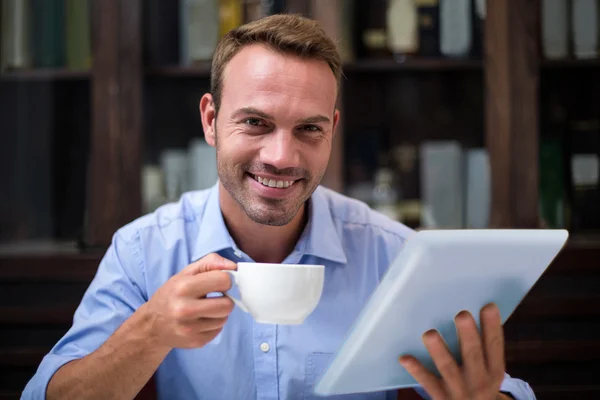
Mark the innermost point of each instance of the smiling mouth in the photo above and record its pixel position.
(271, 182)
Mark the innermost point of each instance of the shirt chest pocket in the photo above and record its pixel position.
(314, 367)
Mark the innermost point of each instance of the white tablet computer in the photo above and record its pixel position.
(435, 276)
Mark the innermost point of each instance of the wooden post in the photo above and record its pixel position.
(114, 195)
(511, 77)
(327, 13)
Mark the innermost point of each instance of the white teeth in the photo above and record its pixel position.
(273, 183)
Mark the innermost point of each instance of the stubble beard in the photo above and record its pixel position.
(264, 211)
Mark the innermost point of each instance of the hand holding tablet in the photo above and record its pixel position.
(437, 275)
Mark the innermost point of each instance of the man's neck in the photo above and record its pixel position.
(263, 243)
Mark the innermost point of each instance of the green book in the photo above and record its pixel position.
(15, 34)
(48, 18)
(78, 34)
(552, 189)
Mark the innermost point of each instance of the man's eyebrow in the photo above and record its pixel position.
(313, 120)
(253, 111)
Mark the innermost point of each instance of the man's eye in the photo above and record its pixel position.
(253, 121)
(311, 128)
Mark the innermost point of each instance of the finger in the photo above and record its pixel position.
(211, 262)
(200, 339)
(471, 348)
(445, 363)
(207, 336)
(203, 325)
(193, 309)
(193, 330)
(431, 383)
(493, 342)
(198, 286)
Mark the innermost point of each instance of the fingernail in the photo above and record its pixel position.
(404, 360)
(461, 314)
(430, 332)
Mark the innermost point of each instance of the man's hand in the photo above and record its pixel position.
(180, 315)
(482, 370)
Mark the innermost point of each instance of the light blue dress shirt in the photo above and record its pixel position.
(246, 360)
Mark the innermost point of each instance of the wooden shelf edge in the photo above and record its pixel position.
(201, 70)
(536, 352)
(570, 63)
(44, 74)
(78, 267)
(415, 64)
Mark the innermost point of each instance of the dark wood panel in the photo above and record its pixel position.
(540, 352)
(566, 307)
(584, 392)
(114, 193)
(408, 394)
(580, 257)
(22, 356)
(551, 328)
(10, 395)
(511, 75)
(75, 267)
(14, 377)
(564, 373)
(17, 315)
(38, 334)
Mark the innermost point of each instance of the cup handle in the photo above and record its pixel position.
(237, 302)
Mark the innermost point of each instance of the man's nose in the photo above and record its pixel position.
(280, 150)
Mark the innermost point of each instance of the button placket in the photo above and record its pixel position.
(265, 362)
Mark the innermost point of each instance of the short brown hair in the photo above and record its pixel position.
(285, 33)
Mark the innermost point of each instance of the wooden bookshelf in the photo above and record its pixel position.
(507, 119)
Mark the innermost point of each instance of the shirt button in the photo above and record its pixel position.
(237, 253)
(265, 347)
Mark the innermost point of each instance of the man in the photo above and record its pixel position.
(271, 116)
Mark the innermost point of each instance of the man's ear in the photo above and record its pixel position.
(336, 120)
(208, 115)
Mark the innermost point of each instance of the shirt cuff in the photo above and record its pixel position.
(518, 389)
(515, 387)
(37, 386)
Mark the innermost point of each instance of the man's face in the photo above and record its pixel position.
(273, 131)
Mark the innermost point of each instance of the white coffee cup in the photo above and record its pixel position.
(278, 293)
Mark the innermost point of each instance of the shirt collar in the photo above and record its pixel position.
(213, 235)
(320, 237)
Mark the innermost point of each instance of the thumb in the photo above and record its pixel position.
(211, 262)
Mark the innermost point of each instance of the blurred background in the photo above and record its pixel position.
(455, 114)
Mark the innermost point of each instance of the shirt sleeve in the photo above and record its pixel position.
(518, 389)
(116, 291)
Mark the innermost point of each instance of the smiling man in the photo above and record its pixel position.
(271, 116)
